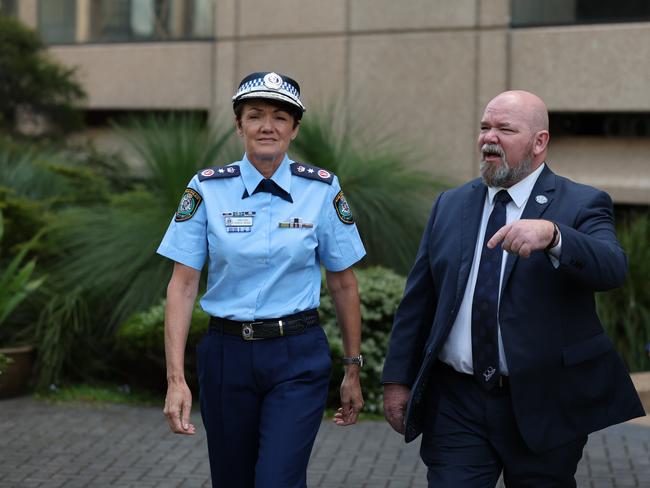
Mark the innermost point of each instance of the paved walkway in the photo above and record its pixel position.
(76, 445)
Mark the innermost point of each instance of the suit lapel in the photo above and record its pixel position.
(539, 200)
(469, 227)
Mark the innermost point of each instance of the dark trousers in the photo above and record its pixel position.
(473, 437)
(262, 403)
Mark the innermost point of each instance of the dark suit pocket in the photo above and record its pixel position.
(587, 349)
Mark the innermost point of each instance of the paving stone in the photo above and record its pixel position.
(75, 445)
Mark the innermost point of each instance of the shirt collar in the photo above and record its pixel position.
(252, 177)
(520, 191)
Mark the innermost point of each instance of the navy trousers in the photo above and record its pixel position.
(262, 403)
(473, 436)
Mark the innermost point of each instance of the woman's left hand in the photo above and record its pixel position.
(351, 398)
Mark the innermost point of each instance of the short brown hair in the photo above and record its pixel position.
(292, 110)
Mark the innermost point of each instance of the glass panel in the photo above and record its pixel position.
(561, 12)
(57, 20)
(600, 124)
(201, 19)
(110, 20)
(8, 7)
(121, 20)
(155, 20)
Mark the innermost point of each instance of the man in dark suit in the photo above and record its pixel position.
(497, 355)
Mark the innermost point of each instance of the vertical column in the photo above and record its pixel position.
(83, 21)
(28, 12)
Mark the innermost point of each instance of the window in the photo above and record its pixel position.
(8, 7)
(66, 21)
(600, 124)
(527, 13)
(57, 20)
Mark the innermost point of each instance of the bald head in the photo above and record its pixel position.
(528, 106)
(514, 137)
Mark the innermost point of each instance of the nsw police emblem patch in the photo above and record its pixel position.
(190, 202)
(343, 209)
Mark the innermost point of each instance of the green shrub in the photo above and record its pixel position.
(17, 282)
(380, 291)
(140, 346)
(141, 338)
(625, 312)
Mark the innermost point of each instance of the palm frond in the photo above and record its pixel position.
(389, 197)
(173, 149)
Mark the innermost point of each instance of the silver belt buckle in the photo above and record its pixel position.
(248, 331)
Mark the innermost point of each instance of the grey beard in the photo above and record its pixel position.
(505, 175)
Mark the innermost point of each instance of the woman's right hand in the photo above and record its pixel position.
(178, 404)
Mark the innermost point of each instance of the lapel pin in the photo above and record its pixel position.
(541, 199)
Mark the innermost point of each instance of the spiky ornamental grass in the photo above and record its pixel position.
(389, 197)
(107, 267)
(625, 311)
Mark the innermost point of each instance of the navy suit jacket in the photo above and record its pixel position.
(566, 380)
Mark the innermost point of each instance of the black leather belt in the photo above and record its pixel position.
(502, 384)
(266, 328)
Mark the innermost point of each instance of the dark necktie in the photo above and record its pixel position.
(270, 186)
(485, 305)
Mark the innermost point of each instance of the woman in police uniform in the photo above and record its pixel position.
(265, 225)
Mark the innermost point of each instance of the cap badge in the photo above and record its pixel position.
(273, 81)
(541, 199)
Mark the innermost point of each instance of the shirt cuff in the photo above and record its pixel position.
(555, 252)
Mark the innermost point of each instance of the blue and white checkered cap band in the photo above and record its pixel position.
(257, 88)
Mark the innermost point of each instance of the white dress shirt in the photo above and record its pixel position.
(457, 350)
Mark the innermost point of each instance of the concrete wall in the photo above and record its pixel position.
(423, 68)
(143, 76)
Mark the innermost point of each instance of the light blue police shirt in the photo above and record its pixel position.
(264, 253)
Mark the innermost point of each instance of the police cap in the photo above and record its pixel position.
(269, 85)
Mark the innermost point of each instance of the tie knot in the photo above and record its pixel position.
(503, 197)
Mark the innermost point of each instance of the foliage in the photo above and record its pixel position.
(625, 312)
(5, 361)
(98, 394)
(389, 198)
(173, 149)
(380, 291)
(16, 283)
(141, 338)
(32, 83)
(141, 346)
(106, 260)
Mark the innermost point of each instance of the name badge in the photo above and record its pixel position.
(238, 221)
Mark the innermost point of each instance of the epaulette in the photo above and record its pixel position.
(219, 172)
(312, 172)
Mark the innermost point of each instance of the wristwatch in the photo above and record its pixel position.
(353, 360)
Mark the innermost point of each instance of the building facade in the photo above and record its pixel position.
(424, 68)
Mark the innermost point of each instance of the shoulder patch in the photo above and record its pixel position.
(219, 172)
(312, 172)
(343, 209)
(190, 202)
